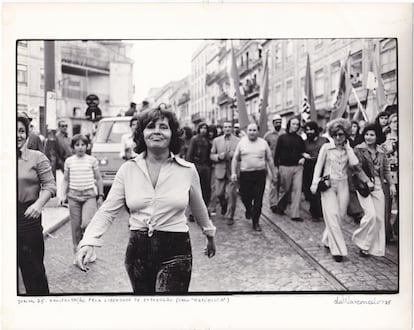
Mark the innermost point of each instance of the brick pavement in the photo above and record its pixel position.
(246, 261)
(356, 272)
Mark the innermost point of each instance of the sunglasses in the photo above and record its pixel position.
(63, 125)
(338, 135)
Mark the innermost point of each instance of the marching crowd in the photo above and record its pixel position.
(172, 175)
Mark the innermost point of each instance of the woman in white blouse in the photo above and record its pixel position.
(156, 186)
(334, 159)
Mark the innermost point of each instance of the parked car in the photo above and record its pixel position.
(107, 146)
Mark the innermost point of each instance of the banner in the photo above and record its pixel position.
(264, 98)
(241, 105)
(344, 90)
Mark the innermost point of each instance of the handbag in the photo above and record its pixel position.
(360, 186)
(324, 183)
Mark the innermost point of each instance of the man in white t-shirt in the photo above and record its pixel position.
(255, 156)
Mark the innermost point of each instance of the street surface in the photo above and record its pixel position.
(285, 256)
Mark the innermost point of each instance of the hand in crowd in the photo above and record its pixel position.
(370, 185)
(313, 188)
(83, 257)
(234, 177)
(301, 161)
(393, 190)
(33, 211)
(222, 156)
(63, 200)
(99, 201)
(210, 249)
(306, 156)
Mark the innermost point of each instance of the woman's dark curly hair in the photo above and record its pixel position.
(378, 132)
(151, 116)
(26, 124)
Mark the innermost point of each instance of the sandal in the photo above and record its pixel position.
(364, 253)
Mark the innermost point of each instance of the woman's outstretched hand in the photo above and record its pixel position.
(210, 249)
(84, 256)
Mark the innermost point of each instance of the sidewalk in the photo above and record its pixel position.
(53, 216)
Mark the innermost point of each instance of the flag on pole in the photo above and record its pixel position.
(343, 92)
(264, 96)
(241, 105)
(308, 106)
(360, 114)
(376, 99)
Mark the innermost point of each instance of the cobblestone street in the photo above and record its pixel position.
(246, 261)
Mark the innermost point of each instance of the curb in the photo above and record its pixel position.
(55, 226)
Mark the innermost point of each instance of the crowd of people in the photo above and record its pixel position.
(184, 175)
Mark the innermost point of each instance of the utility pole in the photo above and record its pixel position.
(49, 67)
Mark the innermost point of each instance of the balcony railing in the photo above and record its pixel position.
(211, 78)
(185, 97)
(223, 98)
(84, 57)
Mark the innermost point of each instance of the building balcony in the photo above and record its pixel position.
(251, 91)
(211, 78)
(249, 66)
(83, 61)
(184, 98)
(224, 98)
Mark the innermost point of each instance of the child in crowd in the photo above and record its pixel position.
(83, 187)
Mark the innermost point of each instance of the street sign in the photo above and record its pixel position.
(51, 110)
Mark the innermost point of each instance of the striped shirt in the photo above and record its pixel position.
(81, 172)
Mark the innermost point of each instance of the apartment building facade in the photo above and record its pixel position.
(81, 68)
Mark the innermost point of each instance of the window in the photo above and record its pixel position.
(278, 54)
(302, 49)
(22, 107)
(356, 69)
(388, 55)
(22, 43)
(319, 85)
(289, 50)
(289, 92)
(42, 78)
(278, 96)
(318, 43)
(22, 74)
(335, 74)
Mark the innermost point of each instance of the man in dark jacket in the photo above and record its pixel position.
(290, 157)
(313, 144)
(199, 154)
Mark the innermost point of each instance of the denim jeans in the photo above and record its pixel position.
(82, 208)
(252, 186)
(160, 263)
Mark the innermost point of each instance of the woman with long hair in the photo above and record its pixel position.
(370, 236)
(157, 187)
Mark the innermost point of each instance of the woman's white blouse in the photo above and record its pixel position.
(161, 208)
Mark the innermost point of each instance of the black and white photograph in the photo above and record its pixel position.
(288, 150)
(231, 166)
